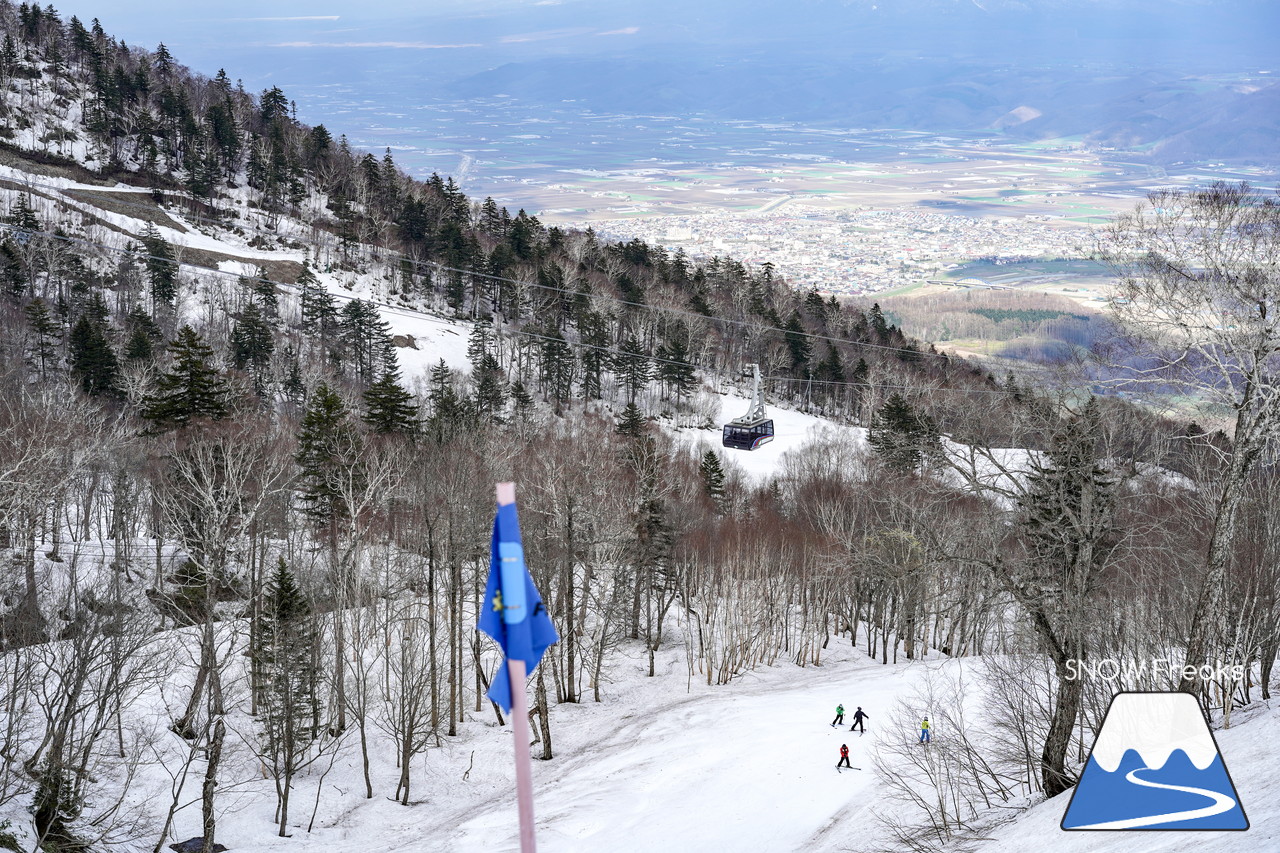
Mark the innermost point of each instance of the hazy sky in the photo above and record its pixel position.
(318, 40)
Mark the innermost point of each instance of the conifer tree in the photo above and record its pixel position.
(632, 422)
(264, 294)
(252, 345)
(594, 334)
(319, 310)
(713, 480)
(138, 348)
(161, 266)
(447, 409)
(93, 361)
(22, 216)
(366, 339)
(290, 704)
(480, 340)
(522, 402)
(491, 389)
(192, 388)
(557, 366)
(858, 387)
(327, 445)
(902, 437)
(95, 308)
(389, 408)
(878, 324)
(144, 334)
(45, 332)
(674, 367)
(797, 341)
(832, 368)
(633, 367)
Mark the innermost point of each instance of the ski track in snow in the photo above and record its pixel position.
(1221, 803)
(748, 767)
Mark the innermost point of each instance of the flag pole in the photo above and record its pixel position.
(520, 724)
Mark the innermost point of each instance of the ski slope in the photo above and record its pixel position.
(666, 764)
(669, 764)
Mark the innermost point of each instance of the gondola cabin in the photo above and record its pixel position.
(754, 428)
(747, 435)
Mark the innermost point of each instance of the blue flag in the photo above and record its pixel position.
(512, 611)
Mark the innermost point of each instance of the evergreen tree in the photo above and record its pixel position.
(319, 310)
(447, 409)
(138, 348)
(878, 323)
(858, 380)
(674, 367)
(902, 437)
(832, 368)
(593, 329)
(522, 402)
(491, 388)
(389, 408)
(45, 332)
(480, 341)
(22, 216)
(290, 706)
(192, 388)
(144, 334)
(797, 341)
(366, 339)
(713, 480)
(161, 266)
(632, 422)
(93, 361)
(293, 386)
(95, 308)
(557, 366)
(264, 294)
(814, 303)
(252, 345)
(633, 368)
(328, 445)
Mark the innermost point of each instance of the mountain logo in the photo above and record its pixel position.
(1155, 765)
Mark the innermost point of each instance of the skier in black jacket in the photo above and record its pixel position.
(858, 717)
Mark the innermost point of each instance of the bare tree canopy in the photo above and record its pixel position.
(1198, 294)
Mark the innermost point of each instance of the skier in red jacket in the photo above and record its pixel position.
(844, 757)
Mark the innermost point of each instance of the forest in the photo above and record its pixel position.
(238, 544)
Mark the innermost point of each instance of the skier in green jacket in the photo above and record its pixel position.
(839, 721)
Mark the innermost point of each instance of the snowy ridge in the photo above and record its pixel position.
(1154, 725)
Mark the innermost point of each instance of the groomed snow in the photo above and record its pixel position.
(665, 764)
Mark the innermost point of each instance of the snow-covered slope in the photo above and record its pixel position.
(667, 764)
(792, 430)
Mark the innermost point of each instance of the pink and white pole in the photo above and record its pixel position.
(520, 724)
